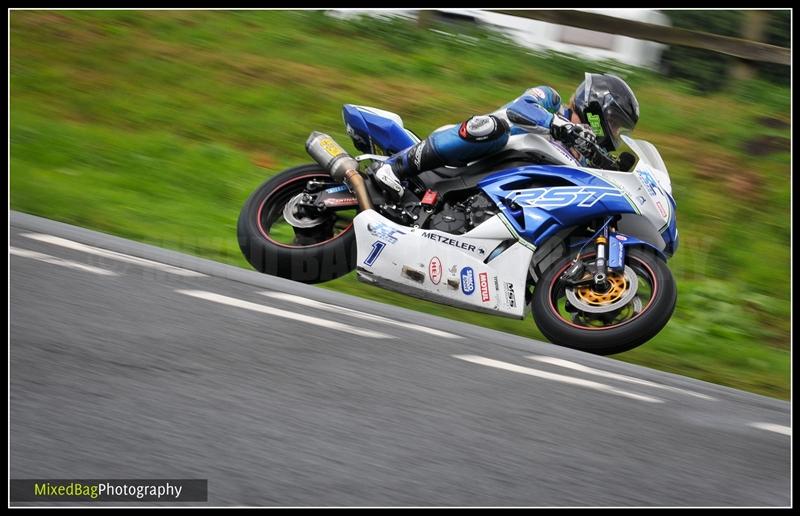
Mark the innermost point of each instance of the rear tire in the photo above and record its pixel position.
(327, 259)
(618, 337)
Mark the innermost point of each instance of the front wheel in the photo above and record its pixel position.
(278, 239)
(637, 305)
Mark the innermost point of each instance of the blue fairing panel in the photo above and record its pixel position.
(367, 129)
(536, 213)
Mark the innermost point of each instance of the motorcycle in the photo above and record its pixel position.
(586, 248)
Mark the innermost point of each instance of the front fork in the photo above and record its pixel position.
(609, 254)
(600, 262)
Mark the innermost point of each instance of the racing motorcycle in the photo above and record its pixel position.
(585, 247)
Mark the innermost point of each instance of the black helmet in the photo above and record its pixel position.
(608, 104)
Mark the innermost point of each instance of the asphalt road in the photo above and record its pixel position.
(128, 369)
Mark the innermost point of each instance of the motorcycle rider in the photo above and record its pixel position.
(602, 106)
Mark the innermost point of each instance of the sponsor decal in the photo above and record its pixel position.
(483, 283)
(649, 182)
(418, 154)
(616, 253)
(561, 196)
(661, 209)
(340, 201)
(594, 122)
(467, 281)
(377, 248)
(336, 189)
(381, 230)
(331, 147)
(453, 242)
(511, 299)
(435, 270)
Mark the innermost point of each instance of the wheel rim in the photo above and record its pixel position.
(274, 227)
(640, 302)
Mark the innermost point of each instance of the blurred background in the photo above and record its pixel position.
(156, 126)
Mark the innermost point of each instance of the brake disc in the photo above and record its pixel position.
(290, 214)
(621, 292)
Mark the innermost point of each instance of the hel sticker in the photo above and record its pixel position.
(331, 147)
(377, 247)
(483, 281)
(467, 281)
(594, 121)
(435, 270)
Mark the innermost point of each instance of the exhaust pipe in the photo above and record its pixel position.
(340, 164)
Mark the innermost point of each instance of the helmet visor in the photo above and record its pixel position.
(609, 121)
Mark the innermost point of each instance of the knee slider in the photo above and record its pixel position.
(482, 128)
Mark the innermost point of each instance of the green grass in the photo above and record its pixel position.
(157, 125)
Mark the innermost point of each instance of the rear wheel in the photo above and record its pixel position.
(637, 305)
(278, 237)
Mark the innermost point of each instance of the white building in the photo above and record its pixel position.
(540, 35)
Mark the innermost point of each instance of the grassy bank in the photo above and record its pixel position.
(156, 126)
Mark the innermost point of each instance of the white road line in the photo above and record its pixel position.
(556, 377)
(69, 244)
(607, 374)
(277, 312)
(785, 430)
(355, 313)
(25, 253)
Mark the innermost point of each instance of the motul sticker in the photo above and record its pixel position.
(435, 270)
(483, 283)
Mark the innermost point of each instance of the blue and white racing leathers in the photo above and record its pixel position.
(480, 136)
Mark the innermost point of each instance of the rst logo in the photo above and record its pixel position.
(467, 281)
(483, 282)
(560, 196)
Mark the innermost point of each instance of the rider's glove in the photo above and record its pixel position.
(573, 135)
(584, 140)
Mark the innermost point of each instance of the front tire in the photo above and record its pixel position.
(614, 332)
(322, 252)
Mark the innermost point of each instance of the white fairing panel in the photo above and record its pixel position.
(442, 267)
